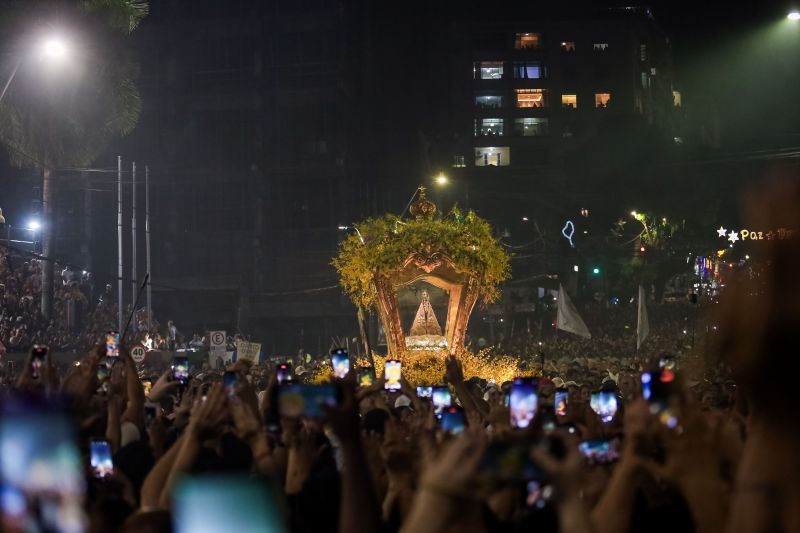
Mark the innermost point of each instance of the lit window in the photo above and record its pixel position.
(488, 70)
(643, 52)
(488, 127)
(489, 101)
(644, 80)
(458, 161)
(528, 70)
(602, 99)
(492, 156)
(569, 100)
(530, 126)
(676, 98)
(568, 46)
(653, 71)
(531, 97)
(600, 47)
(525, 41)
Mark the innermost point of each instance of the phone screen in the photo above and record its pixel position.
(425, 392)
(561, 399)
(523, 402)
(453, 420)
(441, 397)
(41, 477)
(340, 360)
(366, 377)
(547, 414)
(180, 369)
(604, 403)
(147, 384)
(296, 400)
(112, 344)
(600, 451)
(224, 502)
(229, 381)
(660, 390)
(284, 373)
(392, 373)
(100, 458)
(38, 359)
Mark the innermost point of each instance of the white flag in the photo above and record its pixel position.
(568, 318)
(643, 328)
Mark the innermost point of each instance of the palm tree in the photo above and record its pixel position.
(64, 116)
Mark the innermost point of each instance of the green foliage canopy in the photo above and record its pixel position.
(467, 240)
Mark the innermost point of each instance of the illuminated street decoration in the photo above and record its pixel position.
(752, 235)
(571, 227)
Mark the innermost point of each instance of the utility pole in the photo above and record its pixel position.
(134, 287)
(119, 243)
(147, 243)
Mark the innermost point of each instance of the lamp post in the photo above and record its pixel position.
(793, 15)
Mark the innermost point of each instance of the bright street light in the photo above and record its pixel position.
(441, 179)
(54, 48)
(793, 15)
(34, 225)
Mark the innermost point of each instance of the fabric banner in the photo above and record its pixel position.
(643, 326)
(568, 318)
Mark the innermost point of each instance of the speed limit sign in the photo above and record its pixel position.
(217, 338)
(137, 352)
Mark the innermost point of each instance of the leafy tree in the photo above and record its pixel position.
(62, 114)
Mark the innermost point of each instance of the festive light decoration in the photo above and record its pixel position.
(746, 234)
(571, 227)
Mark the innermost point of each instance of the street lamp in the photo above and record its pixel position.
(52, 49)
(441, 179)
(34, 225)
(793, 15)
(345, 228)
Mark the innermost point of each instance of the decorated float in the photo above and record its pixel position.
(426, 273)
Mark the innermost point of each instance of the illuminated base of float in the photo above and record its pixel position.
(427, 367)
(430, 343)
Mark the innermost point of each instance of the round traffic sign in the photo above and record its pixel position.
(217, 338)
(137, 352)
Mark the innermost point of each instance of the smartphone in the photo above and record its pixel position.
(180, 370)
(340, 360)
(604, 403)
(38, 360)
(441, 397)
(296, 400)
(366, 377)
(112, 344)
(506, 462)
(661, 390)
(547, 415)
(42, 484)
(210, 503)
(392, 373)
(283, 373)
(523, 402)
(229, 380)
(561, 400)
(147, 384)
(600, 451)
(100, 458)
(452, 421)
(425, 392)
(149, 414)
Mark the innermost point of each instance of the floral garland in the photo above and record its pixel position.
(384, 244)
